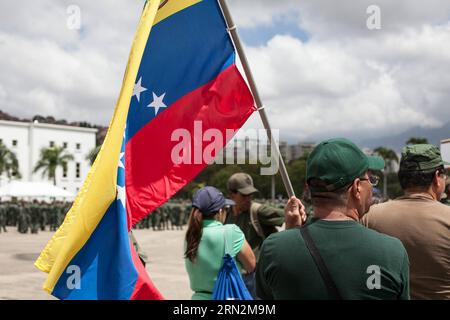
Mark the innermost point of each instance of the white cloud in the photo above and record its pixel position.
(345, 80)
(252, 13)
(49, 69)
(357, 88)
(327, 19)
(345, 18)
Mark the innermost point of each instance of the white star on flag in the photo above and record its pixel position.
(138, 89)
(121, 194)
(120, 160)
(157, 103)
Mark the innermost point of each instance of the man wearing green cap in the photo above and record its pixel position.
(334, 256)
(257, 221)
(420, 221)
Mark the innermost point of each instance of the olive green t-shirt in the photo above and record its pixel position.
(269, 217)
(352, 253)
(203, 272)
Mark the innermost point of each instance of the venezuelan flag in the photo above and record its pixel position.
(181, 72)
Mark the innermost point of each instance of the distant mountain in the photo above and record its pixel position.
(397, 142)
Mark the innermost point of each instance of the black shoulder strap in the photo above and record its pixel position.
(329, 283)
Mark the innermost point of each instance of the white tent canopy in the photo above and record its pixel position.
(24, 189)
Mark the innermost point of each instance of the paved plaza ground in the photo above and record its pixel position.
(19, 279)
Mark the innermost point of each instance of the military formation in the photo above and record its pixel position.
(172, 215)
(32, 217)
(35, 216)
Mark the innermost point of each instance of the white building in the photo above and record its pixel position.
(250, 151)
(300, 149)
(26, 139)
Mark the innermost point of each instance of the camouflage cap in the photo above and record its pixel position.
(421, 157)
(242, 183)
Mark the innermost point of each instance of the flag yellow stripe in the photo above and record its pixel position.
(172, 7)
(99, 188)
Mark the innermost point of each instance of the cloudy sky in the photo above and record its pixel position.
(319, 68)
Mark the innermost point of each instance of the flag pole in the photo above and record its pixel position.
(240, 50)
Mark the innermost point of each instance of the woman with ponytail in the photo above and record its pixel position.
(205, 242)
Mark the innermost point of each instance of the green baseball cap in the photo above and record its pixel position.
(242, 183)
(421, 157)
(336, 163)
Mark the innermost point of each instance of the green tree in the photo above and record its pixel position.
(8, 162)
(92, 155)
(217, 175)
(297, 172)
(416, 140)
(50, 160)
(390, 157)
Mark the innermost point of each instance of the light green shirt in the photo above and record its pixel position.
(203, 271)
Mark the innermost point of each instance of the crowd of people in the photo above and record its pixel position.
(32, 217)
(35, 216)
(348, 247)
(172, 215)
(341, 242)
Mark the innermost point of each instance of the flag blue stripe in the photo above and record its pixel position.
(105, 262)
(184, 52)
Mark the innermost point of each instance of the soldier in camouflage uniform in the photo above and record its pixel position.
(34, 211)
(62, 210)
(257, 221)
(3, 218)
(147, 222)
(6, 205)
(187, 212)
(164, 217)
(24, 218)
(158, 217)
(43, 214)
(153, 218)
(172, 216)
(52, 213)
(180, 217)
(12, 214)
(51, 216)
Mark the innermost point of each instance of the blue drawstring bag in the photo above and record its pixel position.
(229, 284)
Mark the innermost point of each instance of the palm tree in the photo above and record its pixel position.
(92, 155)
(8, 162)
(51, 159)
(389, 157)
(415, 140)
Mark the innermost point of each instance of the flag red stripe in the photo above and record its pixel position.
(151, 175)
(143, 288)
